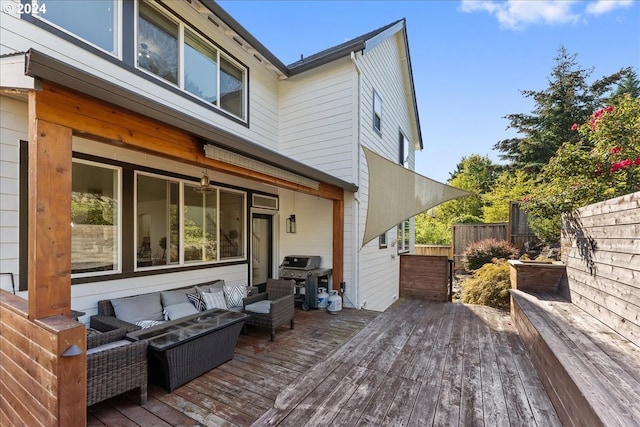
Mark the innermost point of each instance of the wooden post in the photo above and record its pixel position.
(338, 243)
(49, 242)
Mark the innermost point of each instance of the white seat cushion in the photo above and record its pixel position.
(261, 307)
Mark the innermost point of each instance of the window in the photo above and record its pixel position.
(93, 21)
(404, 229)
(95, 218)
(204, 227)
(157, 43)
(403, 150)
(377, 112)
(158, 221)
(200, 68)
(382, 241)
(207, 73)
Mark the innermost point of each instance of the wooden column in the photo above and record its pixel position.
(338, 243)
(49, 242)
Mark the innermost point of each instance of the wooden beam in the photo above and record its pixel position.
(49, 241)
(114, 125)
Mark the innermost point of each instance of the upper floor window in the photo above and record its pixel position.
(377, 112)
(403, 150)
(96, 21)
(198, 66)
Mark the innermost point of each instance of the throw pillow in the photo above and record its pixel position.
(182, 309)
(197, 301)
(144, 324)
(234, 294)
(174, 297)
(141, 307)
(210, 286)
(214, 300)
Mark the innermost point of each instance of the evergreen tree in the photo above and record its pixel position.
(567, 100)
(630, 85)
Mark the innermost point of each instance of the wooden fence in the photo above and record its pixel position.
(465, 234)
(519, 230)
(424, 276)
(33, 370)
(438, 250)
(603, 263)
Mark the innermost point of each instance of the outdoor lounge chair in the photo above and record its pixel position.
(115, 365)
(272, 308)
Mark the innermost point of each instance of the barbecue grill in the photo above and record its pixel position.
(306, 271)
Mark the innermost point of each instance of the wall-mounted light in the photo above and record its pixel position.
(291, 224)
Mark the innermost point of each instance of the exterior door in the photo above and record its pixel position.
(261, 249)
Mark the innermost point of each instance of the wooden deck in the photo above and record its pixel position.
(419, 363)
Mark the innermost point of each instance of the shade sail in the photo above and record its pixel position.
(397, 193)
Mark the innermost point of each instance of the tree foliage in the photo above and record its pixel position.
(568, 99)
(475, 173)
(510, 186)
(605, 163)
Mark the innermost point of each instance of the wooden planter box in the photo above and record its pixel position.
(536, 276)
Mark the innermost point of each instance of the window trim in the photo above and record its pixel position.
(403, 149)
(401, 236)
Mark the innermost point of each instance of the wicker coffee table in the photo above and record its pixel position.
(182, 350)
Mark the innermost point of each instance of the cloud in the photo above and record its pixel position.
(518, 14)
(604, 6)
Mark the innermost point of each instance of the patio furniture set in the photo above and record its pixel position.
(172, 337)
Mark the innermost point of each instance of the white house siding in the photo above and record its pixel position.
(318, 118)
(382, 70)
(18, 35)
(13, 128)
(314, 226)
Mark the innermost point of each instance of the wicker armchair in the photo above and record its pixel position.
(277, 308)
(113, 371)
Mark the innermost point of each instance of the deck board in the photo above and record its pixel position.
(419, 363)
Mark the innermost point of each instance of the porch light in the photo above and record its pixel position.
(291, 224)
(205, 184)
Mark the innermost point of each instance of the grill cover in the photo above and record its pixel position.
(301, 262)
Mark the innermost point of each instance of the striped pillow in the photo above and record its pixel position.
(214, 300)
(197, 301)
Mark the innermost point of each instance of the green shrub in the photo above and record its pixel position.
(482, 252)
(488, 285)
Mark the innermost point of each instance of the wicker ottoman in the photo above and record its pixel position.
(191, 346)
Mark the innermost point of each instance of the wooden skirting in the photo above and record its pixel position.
(33, 369)
(424, 276)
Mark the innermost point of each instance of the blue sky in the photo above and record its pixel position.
(470, 58)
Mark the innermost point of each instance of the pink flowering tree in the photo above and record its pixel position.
(605, 163)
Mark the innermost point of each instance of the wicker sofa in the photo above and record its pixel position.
(154, 303)
(115, 366)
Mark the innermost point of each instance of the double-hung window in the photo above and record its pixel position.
(171, 50)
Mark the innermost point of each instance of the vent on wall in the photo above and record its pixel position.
(265, 202)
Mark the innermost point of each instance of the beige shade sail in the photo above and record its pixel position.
(397, 193)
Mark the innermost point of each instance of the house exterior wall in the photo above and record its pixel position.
(381, 71)
(18, 35)
(13, 128)
(319, 117)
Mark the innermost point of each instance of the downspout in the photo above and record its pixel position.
(356, 243)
